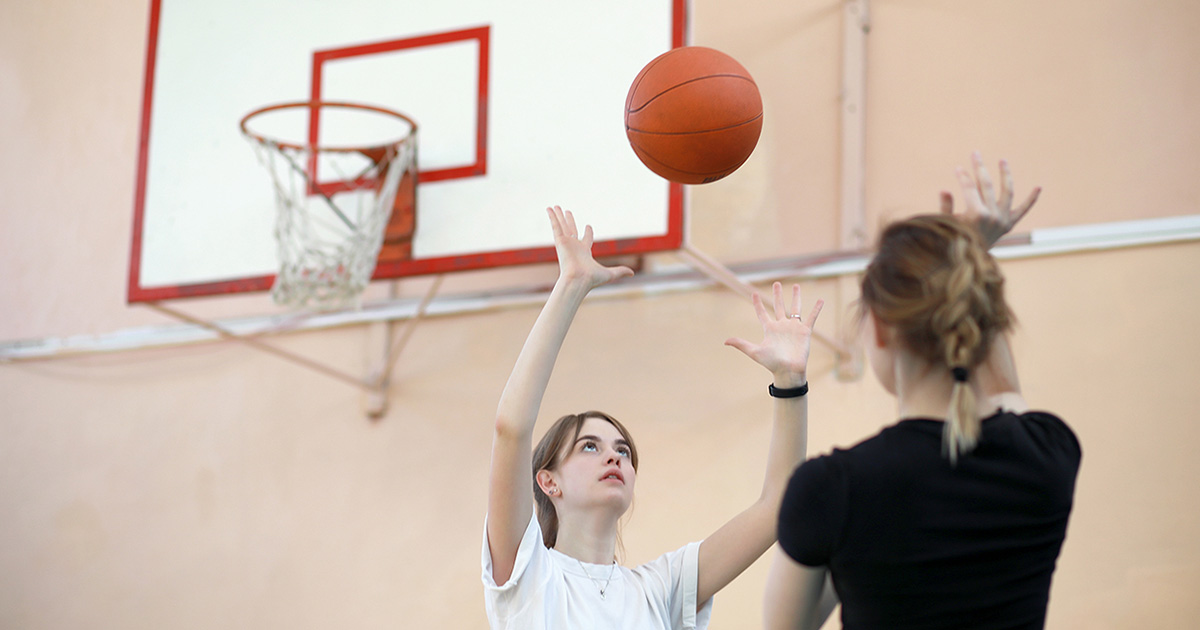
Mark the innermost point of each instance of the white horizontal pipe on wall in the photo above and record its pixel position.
(1043, 242)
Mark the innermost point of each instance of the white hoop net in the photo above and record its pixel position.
(329, 235)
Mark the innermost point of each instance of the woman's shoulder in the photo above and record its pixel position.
(667, 568)
(1042, 417)
(833, 467)
(884, 444)
(1050, 431)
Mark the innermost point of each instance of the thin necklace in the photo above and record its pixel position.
(610, 574)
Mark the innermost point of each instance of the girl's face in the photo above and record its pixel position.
(597, 470)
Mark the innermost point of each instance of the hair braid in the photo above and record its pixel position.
(957, 325)
(934, 281)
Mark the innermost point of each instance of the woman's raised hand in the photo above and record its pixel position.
(993, 216)
(786, 338)
(575, 261)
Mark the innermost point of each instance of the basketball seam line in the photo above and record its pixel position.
(679, 85)
(688, 133)
(679, 170)
(638, 82)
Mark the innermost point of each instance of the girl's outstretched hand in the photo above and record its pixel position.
(575, 261)
(786, 338)
(993, 216)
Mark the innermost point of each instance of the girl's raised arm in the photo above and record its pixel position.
(784, 352)
(510, 487)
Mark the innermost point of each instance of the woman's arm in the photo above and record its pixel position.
(797, 597)
(784, 351)
(993, 216)
(510, 487)
(997, 379)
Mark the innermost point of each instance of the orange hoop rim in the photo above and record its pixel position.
(315, 105)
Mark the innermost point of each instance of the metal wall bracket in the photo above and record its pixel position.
(378, 379)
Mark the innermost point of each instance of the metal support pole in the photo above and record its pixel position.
(409, 327)
(856, 24)
(712, 268)
(264, 347)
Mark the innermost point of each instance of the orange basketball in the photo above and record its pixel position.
(693, 115)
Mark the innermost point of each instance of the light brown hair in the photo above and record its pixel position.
(551, 451)
(934, 282)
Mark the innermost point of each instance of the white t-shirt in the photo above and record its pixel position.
(549, 590)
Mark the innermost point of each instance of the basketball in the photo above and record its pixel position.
(693, 115)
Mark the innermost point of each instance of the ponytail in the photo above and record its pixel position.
(960, 433)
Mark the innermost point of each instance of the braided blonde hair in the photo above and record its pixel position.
(935, 283)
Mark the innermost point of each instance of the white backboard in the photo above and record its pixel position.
(519, 106)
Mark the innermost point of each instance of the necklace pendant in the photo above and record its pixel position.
(603, 588)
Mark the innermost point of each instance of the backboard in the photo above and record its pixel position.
(519, 106)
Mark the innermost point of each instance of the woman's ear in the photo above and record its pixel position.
(545, 481)
(881, 333)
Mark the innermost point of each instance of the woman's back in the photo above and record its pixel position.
(914, 541)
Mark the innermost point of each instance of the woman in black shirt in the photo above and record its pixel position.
(954, 516)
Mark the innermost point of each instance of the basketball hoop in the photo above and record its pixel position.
(336, 202)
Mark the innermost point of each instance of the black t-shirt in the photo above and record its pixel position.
(914, 542)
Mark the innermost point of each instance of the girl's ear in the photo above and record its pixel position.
(545, 481)
(881, 332)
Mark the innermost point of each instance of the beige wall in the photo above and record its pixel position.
(213, 486)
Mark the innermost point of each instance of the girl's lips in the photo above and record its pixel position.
(608, 476)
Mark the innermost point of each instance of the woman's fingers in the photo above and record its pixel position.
(811, 320)
(1006, 187)
(780, 311)
(971, 198)
(987, 189)
(563, 224)
(744, 346)
(555, 223)
(1024, 208)
(947, 202)
(571, 230)
(759, 309)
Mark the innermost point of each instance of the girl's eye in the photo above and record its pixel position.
(624, 452)
(589, 446)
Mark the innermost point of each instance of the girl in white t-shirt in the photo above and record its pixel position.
(556, 568)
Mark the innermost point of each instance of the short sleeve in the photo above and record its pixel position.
(1056, 436)
(530, 571)
(813, 514)
(673, 578)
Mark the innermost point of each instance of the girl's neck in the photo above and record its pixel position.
(587, 537)
(920, 392)
(923, 391)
